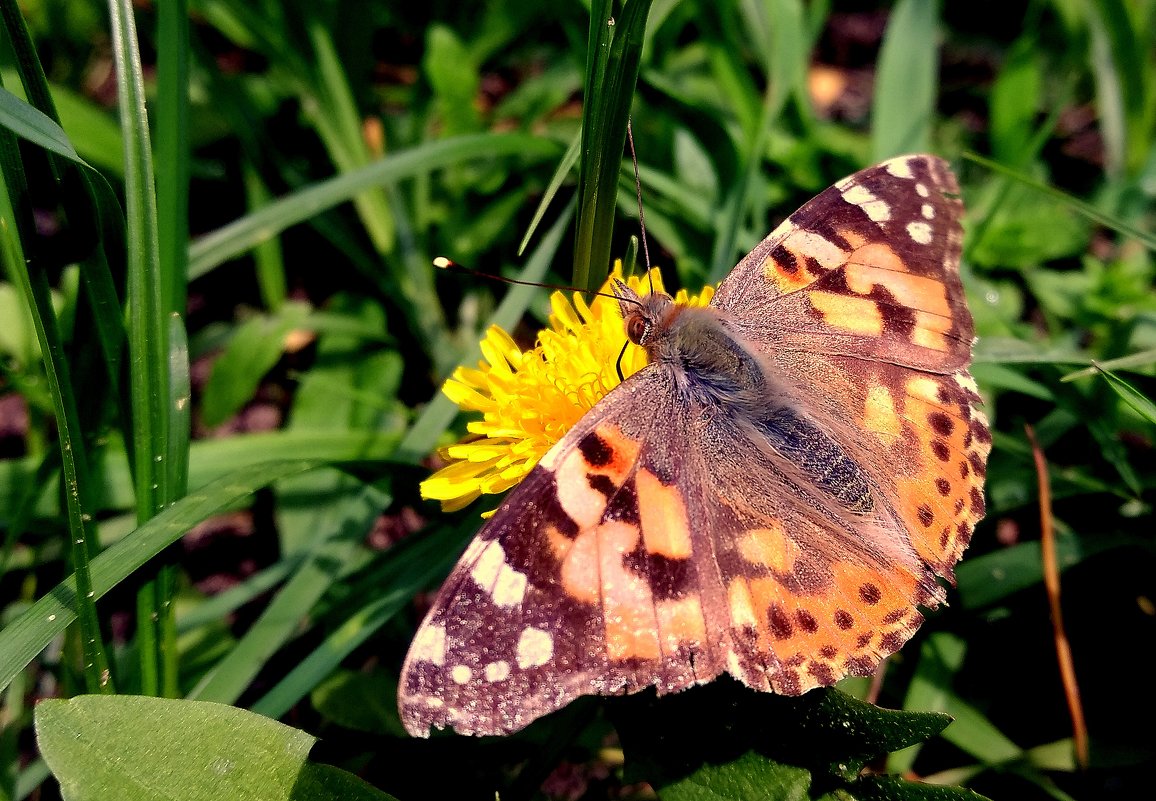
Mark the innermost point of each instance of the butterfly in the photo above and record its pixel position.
(773, 496)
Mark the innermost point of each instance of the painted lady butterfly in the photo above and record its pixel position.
(772, 497)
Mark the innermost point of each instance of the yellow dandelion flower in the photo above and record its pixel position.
(530, 399)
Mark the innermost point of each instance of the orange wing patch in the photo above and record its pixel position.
(818, 639)
(665, 530)
(848, 313)
(941, 500)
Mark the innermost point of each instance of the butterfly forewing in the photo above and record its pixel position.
(868, 268)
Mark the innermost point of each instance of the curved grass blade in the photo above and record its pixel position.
(25, 637)
(1139, 402)
(247, 232)
(1088, 210)
(30, 278)
(404, 571)
(569, 159)
(29, 122)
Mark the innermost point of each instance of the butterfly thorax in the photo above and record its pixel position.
(706, 356)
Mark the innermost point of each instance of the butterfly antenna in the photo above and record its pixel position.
(638, 190)
(442, 263)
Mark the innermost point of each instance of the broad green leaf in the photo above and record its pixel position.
(360, 701)
(111, 748)
(750, 777)
(823, 737)
(256, 346)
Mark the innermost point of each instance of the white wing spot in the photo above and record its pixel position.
(967, 382)
(920, 232)
(434, 701)
(825, 252)
(461, 674)
(535, 648)
(507, 586)
(488, 565)
(928, 211)
(921, 190)
(900, 167)
(510, 588)
(497, 671)
(429, 645)
(875, 208)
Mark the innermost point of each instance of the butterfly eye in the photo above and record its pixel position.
(637, 328)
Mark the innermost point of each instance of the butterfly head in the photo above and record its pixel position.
(643, 316)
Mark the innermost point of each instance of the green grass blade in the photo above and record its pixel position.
(339, 124)
(1145, 358)
(569, 159)
(267, 256)
(348, 524)
(242, 235)
(172, 150)
(903, 107)
(1139, 402)
(34, 125)
(1088, 210)
(25, 637)
(612, 73)
(785, 62)
(30, 278)
(405, 571)
(1117, 66)
(148, 340)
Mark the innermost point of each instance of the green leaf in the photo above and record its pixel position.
(360, 701)
(893, 788)
(750, 777)
(741, 735)
(254, 349)
(1015, 100)
(453, 75)
(107, 748)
